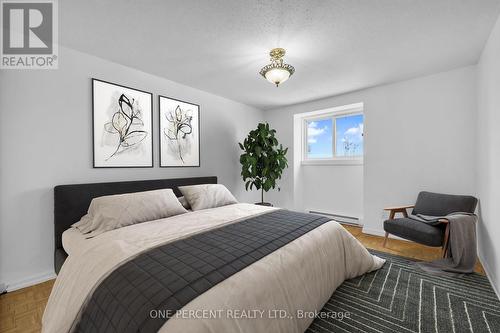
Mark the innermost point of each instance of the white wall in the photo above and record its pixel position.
(336, 189)
(488, 148)
(419, 135)
(45, 140)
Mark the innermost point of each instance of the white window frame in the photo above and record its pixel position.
(331, 113)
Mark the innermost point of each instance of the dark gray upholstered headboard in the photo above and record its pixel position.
(71, 202)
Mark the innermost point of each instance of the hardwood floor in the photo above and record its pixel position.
(22, 310)
(401, 247)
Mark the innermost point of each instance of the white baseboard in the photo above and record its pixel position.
(489, 275)
(31, 281)
(339, 217)
(380, 232)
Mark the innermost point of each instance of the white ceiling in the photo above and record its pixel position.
(336, 46)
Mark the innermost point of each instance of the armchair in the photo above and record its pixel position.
(431, 204)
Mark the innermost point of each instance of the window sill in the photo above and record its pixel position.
(352, 161)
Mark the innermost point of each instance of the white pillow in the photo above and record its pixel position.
(115, 211)
(207, 196)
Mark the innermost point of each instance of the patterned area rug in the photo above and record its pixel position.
(402, 298)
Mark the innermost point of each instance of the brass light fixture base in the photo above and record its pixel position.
(277, 53)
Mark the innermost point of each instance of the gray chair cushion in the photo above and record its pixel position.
(436, 204)
(416, 231)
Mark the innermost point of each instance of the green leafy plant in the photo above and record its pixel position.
(263, 159)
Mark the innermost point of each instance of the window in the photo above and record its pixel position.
(319, 138)
(334, 136)
(349, 136)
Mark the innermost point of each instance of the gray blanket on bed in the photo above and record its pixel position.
(143, 293)
(462, 248)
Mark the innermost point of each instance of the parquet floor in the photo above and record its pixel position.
(22, 310)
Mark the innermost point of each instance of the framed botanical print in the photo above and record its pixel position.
(179, 133)
(122, 126)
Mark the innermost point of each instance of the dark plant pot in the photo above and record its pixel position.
(264, 204)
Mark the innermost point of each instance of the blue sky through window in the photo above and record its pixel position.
(319, 138)
(349, 140)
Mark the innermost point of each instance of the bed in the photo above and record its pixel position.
(273, 293)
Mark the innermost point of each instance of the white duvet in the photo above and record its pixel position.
(271, 295)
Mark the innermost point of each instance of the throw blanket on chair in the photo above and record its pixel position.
(462, 248)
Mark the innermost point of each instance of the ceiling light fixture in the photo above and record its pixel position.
(277, 72)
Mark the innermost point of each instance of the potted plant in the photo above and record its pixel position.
(263, 160)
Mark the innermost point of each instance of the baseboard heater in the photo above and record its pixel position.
(338, 218)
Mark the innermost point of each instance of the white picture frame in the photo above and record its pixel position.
(122, 126)
(179, 130)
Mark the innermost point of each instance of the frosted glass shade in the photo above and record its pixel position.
(277, 75)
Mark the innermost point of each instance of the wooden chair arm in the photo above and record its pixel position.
(399, 208)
